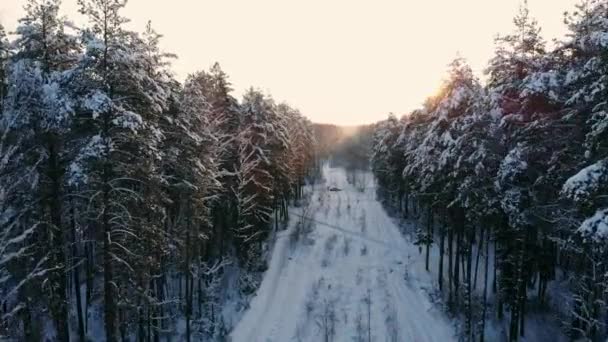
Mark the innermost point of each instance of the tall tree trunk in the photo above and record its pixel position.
(59, 300)
(522, 286)
(469, 288)
(450, 269)
(140, 322)
(76, 273)
(457, 260)
(277, 208)
(441, 249)
(514, 322)
(108, 277)
(160, 288)
(26, 318)
(406, 212)
(122, 325)
(187, 273)
(485, 291)
(88, 281)
(200, 295)
(479, 251)
(149, 312)
(495, 278)
(429, 237)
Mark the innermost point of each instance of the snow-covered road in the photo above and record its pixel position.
(339, 274)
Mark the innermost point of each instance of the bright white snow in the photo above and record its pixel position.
(587, 181)
(596, 227)
(343, 273)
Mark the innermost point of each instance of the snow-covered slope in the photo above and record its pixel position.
(341, 273)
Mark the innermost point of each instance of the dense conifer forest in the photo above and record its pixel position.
(508, 179)
(125, 194)
(138, 207)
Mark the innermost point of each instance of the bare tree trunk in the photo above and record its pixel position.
(187, 298)
(522, 286)
(26, 319)
(76, 273)
(149, 321)
(160, 284)
(277, 209)
(495, 278)
(441, 249)
(513, 324)
(450, 269)
(469, 288)
(429, 236)
(485, 291)
(200, 295)
(89, 262)
(406, 213)
(479, 249)
(59, 277)
(140, 322)
(122, 325)
(457, 261)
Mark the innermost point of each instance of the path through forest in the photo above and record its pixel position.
(342, 271)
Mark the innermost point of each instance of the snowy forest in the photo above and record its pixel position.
(508, 179)
(138, 207)
(124, 194)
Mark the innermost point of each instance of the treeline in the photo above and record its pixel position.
(327, 136)
(353, 151)
(124, 193)
(345, 146)
(509, 180)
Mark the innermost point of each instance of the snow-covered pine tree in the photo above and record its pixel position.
(539, 123)
(282, 153)
(585, 86)
(303, 147)
(224, 113)
(39, 107)
(157, 86)
(194, 185)
(477, 155)
(517, 57)
(254, 192)
(124, 94)
(20, 275)
(586, 190)
(387, 160)
(110, 168)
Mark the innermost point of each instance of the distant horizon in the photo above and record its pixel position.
(344, 126)
(384, 57)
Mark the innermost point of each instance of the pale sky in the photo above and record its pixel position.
(338, 61)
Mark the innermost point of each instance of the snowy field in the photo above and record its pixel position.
(342, 271)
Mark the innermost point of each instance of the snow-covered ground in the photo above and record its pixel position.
(342, 271)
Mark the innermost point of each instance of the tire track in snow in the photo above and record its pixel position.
(355, 234)
(286, 308)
